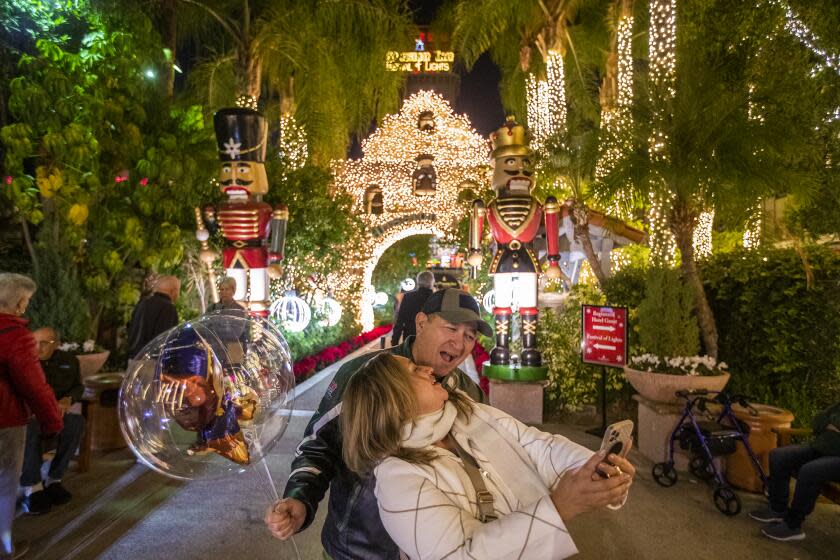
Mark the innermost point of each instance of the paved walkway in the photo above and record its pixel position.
(123, 511)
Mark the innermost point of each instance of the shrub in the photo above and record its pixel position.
(571, 383)
(780, 337)
(667, 326)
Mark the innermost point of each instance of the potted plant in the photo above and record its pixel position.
(91, 356)
(658, 378)
(669, 334)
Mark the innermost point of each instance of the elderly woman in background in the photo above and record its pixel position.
(459, 479)
(227, 288)
(23, 390)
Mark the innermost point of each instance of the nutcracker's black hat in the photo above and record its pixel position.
(240, 134)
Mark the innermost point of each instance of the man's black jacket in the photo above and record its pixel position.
(411, 305)
(151, 316)
(352, 529)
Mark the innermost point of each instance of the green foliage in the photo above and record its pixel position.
(58, 303)
(666, 324)
(320, 220)
(571, 383)
(780, 337)
(395, 264)
(97, 154)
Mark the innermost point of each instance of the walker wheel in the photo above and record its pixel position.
(727, 501)
(701, 468)
(665, 474)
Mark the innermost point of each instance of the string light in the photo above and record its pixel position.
(294, 149)
(460, 157)
(798, 29)
(703, 234)
(546, 100)
(246, 101)
(752, 234)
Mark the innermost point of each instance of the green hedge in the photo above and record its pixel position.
(780, 337)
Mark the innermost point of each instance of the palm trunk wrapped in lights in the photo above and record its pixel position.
(702, 236)
(616, 97)
(547, 101)
(663, 64)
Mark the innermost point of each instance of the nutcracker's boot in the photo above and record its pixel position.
(500, 355)
(530, 355)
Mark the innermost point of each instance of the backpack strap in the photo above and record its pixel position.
(486, 511)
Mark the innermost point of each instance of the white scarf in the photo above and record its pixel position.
(483, 433)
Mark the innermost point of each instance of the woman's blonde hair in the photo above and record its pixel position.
(378, 400)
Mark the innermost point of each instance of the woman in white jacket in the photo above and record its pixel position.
(458, 479)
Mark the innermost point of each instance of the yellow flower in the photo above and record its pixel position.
(78, 214)
(48, 184)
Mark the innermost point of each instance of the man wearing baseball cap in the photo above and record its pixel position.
(447, 328)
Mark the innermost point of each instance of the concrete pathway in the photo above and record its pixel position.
(123, 511)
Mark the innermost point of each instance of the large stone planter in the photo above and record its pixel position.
(662, 387)
(660, 409)
(90, 364)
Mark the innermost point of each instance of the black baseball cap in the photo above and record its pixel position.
(457, 307)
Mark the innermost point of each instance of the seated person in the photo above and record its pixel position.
(62, 373)
(817, 463)
(459, 479)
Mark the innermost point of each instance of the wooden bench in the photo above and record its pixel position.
(832, 489)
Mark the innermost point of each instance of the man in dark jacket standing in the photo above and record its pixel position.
(23, 390)
(62, 373)
(446, 333)
(154, 314)
(412, 303)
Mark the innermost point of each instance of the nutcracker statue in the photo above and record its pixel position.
(515, 217)
(255, 232)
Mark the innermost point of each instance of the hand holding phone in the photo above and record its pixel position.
(617, 440)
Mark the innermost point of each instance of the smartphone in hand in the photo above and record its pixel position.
(617, 440)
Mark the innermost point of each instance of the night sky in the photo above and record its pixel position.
(479, 94)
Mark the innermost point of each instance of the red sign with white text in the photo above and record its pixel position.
(604, 335)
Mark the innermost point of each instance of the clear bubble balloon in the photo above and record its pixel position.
(209, 397)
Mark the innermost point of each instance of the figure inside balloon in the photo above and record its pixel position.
(203, 395)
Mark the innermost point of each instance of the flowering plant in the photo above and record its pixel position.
(87, 347)
(681, 365)
(306, 366)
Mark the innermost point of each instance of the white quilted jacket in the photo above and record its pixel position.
(430, 510)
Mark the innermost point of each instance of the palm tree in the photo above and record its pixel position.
(322, 61)
(718, 156)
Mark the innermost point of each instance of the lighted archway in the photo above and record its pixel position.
(387, 240)
(390, 161)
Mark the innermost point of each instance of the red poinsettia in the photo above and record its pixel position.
(308, 365)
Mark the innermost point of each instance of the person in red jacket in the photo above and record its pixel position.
(23, 391)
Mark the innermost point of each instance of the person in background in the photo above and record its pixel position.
(154, 314)
(62, 373)
(814, 464)
(446, 332)
(412, 303)
(227, 288)
(23, 390)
